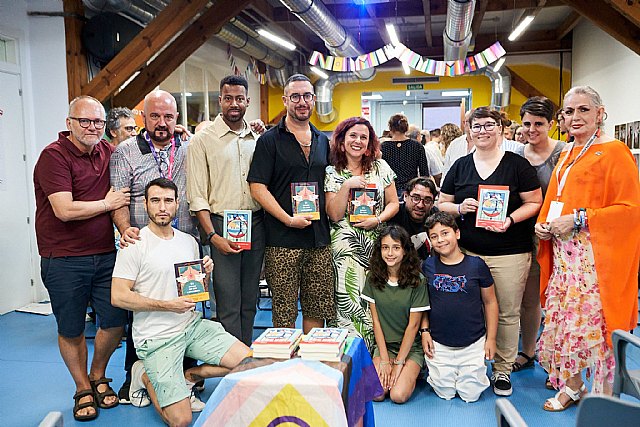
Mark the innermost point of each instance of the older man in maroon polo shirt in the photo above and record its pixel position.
(75, 242)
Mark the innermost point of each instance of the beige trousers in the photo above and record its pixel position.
(509, 276)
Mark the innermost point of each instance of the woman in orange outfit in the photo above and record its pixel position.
(589, 230)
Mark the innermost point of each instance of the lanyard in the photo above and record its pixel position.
(562, 181)
(172, 156)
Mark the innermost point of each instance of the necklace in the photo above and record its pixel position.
(304, 145)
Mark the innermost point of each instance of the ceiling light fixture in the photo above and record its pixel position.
(524, 23)
(458, 93)
(282, 42)
(317, 71)
(499, 64)
(393, 36)
(375, 96)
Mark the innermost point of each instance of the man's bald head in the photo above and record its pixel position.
(160, 116)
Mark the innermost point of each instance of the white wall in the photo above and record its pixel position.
(611, 68)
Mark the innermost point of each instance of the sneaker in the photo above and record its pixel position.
(199, 386)
(138, 395)
(197, 405)
(501, 384)
(123, 393)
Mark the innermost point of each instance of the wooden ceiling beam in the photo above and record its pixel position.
(609, 20)
(630, 9)
(209, 23)
(526, 88)
(143, 47)
(568, 25)
(77, 69)
(426, 8)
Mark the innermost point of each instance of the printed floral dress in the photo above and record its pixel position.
(574, 328)
(351, 248)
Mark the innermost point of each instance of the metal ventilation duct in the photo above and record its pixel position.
(500, 87)
(315, 15)
(457, 30)
(241, 25)
(241, 40)
(124, 7)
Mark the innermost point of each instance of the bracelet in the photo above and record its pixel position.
(378, 218)
(399, 362)
(382, 362)
(210, 235)
(460, 212)
(577, 225)
(512, 220)
(424, 330)
(105, 206)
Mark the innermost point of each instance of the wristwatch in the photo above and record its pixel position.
(399, 362)
(422, 330)
(210, 235)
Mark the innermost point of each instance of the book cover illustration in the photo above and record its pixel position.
(493, 201)
(362, 203)
(278, 336)
(305, 199)
(330, 336)
(237, 227)
(191, 280)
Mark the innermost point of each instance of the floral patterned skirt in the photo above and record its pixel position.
(574, 328)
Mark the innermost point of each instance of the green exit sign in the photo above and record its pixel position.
(415, 87)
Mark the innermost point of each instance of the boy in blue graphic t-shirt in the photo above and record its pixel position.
(460, 330)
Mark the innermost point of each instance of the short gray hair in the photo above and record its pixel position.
(588, 91)
(114, 116)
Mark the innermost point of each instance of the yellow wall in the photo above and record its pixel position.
(346, 97)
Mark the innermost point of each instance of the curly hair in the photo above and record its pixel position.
(409, 273)
(337, 154)
(448, 133)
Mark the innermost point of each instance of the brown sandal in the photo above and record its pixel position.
(100, 396)
(78, 406)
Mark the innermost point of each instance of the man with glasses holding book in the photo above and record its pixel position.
(75, 242)
(419, 198)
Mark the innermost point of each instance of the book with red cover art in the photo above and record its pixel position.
(362, 203)
(237, 227)
(493, 201)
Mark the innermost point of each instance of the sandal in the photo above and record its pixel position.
(553, 404)
(78, 406)
(517, 366)
(100, 396)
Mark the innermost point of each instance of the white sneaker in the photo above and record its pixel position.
(138, 394)
(197, 405)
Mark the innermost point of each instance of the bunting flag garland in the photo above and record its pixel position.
(411, 58)
(251, 69)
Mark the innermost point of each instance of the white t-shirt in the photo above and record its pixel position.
(150, 264)
(433, 161)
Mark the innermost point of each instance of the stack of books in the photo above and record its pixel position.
(277, 343)
(324, 344)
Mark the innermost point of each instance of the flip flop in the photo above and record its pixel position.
(100, 396)
(77, 405)
(528, 364)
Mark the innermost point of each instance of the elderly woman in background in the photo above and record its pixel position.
(353, 166)
(589, 230)
(542, 152)
(406, 156)
(505, 248)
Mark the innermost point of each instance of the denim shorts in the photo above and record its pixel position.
(75, 281)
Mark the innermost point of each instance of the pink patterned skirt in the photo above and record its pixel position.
(574, 328)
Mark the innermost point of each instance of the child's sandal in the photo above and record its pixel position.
(553, 404)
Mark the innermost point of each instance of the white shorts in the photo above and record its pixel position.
(458, 370)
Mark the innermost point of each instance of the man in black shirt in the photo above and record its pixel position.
(419, 196)
(297, 257)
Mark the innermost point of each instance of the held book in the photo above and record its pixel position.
(493, 201)
(237, 227)
(305, 199)
(279, 343)
(191, 282)
(362, 203)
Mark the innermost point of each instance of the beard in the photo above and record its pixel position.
(301, 115)
(162, 221)
(233, 118)
(154, 135)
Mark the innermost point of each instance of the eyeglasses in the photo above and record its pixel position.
(417, 199)
(489, 126)
(131, 128)
(85, 123)
(308, 96)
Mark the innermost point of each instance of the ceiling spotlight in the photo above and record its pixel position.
(524, 23)
(457, 93)
(319, 72)
(282, 42)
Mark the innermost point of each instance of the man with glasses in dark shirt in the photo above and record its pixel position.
(297, 255)
(75, 242)
(121, 125)
(419, 196)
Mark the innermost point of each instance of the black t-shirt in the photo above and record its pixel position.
(418, 232)
(456, 318)
(277, 162)
(407, 161)
(462, 182)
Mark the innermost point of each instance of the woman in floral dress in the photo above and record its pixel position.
(589, 230)
(354, 165)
